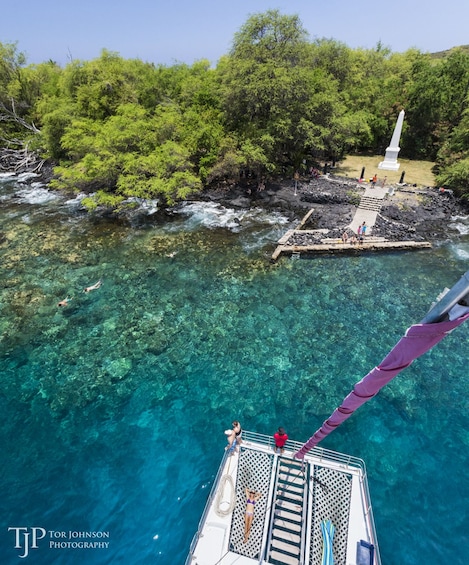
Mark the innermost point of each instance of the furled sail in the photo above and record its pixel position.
(446, 315)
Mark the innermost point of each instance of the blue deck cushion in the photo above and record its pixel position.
(365, 553)
(328, 531)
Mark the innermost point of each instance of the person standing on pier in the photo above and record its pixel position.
(364, 226)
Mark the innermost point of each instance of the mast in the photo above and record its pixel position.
(449, 312)
(448, 299)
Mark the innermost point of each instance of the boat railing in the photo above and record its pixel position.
(318, 452)
(211, 496)
(368, 510)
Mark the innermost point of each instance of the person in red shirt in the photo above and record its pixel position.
(280, 438)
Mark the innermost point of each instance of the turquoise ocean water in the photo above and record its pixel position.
(112, 410)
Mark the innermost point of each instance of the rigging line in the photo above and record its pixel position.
(325, 488)
(301, 472)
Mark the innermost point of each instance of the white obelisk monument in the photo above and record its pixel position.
(390, 159)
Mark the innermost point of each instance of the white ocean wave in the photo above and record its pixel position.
(461, 224)
(259, 238)
(24, 177)
(461, 251)
(147, 205)
(74, 202)
(36, 194)
(5, 177)
(213, 215)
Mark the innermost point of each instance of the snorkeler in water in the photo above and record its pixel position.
(94, 286)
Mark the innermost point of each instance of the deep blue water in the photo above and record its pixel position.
(112, 410)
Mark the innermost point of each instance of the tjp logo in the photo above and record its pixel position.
(27, 538)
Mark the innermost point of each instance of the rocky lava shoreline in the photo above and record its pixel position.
(410, 214)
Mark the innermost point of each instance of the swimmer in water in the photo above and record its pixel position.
(95, 286)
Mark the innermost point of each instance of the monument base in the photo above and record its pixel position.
(390, 159)
(389, 165)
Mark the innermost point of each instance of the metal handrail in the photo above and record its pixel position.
(371, 520)
(318, 452)
(210, 497)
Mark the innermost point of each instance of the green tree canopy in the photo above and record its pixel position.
(273, 96)
(128, 128)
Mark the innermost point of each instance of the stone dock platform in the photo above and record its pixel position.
(367, 211)
(338, 246)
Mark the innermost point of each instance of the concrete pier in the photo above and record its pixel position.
(367, 211)
(337, 246)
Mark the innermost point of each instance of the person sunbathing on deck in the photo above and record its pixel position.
(251, 498)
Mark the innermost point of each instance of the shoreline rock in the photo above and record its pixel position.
(410, 214)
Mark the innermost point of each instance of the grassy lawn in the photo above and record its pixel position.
(416, 172)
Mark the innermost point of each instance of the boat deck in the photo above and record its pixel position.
(296, 499)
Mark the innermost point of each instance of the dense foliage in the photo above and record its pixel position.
(275, 103)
